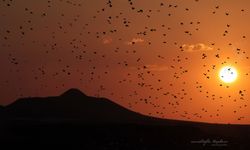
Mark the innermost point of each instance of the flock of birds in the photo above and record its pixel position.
(99, 44)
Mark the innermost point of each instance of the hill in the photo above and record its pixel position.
(1, 108)
(73, 105)
(75, 120)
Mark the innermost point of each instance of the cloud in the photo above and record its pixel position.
(134, 41)
(153, 67)
(196, 47)
(107, 40)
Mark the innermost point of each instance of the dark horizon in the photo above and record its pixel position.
(75, 95)
(74, 119)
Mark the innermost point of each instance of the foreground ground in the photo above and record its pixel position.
(76, 135)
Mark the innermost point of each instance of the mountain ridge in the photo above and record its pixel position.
(74, 118)
(73, 104)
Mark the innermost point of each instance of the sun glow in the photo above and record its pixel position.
(228, 74)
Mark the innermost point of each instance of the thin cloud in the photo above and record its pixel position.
(107, 40)
(196, 47)
(134, 41)
(153, 67)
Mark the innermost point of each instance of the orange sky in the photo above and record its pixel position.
(154, 57)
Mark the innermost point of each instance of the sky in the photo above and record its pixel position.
(160, 58)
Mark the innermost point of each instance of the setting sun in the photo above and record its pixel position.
(228, 74)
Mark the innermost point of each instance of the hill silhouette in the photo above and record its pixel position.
(75, 119)
(73, 105)
(1, 108)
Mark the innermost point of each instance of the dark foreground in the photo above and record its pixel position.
(75, 121)
(72, 135)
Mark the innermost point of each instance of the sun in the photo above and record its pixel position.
(228, 74)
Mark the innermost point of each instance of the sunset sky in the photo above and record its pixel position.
(160, 58)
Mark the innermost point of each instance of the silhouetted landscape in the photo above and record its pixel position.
(75, 120)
